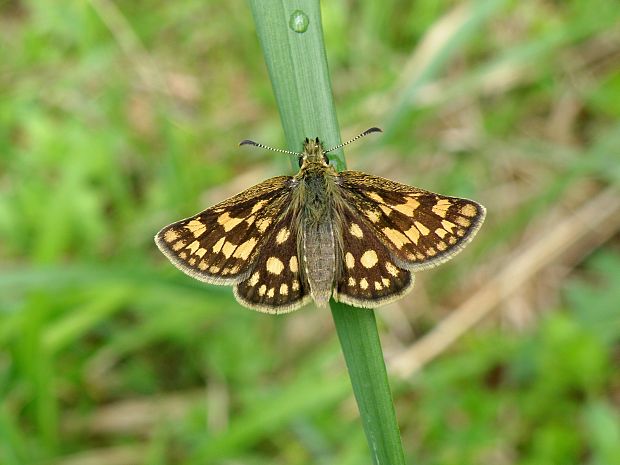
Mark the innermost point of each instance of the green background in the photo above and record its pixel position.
(117, 118)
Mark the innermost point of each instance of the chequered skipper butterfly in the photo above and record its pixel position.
(320, 233)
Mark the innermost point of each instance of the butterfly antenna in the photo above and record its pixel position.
(359, 136)
(256, 144)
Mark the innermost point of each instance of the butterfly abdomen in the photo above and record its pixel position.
(317, 244)
(319, 257)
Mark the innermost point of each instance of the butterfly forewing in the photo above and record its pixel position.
(367, 275)
(219, 244)
(421, 229)
(275, 283)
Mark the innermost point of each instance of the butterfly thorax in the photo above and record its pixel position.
(315, 195)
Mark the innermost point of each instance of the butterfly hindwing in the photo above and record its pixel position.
(219, 244)
(367, 275)
(275, 283)
(420, 228)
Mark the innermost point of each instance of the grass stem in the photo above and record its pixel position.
(297, 66)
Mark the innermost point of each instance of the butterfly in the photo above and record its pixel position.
(320, 234)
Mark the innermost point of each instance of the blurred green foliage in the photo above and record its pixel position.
(119, 117)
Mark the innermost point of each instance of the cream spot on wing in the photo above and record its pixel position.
(293, 264)
(460, 232)
(349, 260)
(218, 245)
(262, 290)
(258, 205)
(364, 283)
(468, 210)
(295, 285)
(462, 221)
(201, 252)
(171, 235)
(396, 237)
(274, 265)
(235, 269)
(372, 215)
(386, 282)
(351, 281)
(193, 247)
(412, 202)
(452, 240)
(214, 269)
(227, 222)
(192, 261)
(179, 245)
(448, 226)
(271, 292)
(414, 234)
(203, 265)
(420, 256)
(263, 224)
(253, 281)
(404, 209)
(431, 252)
(378, 286)
(441, 232)
(369, 259)
(392, 269)
(250, 220)
(183, 255)
(423, 229)
(441, 246)
(226, 270)
(441, 207)
(228, 249)
(283, 235)
(376, 197)
(408, 207)
(356, 231)
(385, 209)
(197, 228)
(283, 289)
(245, 249)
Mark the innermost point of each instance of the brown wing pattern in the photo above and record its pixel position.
(367, 276)
(421, 229)
(219, 244)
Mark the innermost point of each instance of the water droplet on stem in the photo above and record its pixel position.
(299, 21)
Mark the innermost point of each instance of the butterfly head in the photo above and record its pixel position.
(313, 154)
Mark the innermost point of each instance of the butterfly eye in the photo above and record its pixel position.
(317, 141)
(307, 141)
(325, 159)
(300, 160)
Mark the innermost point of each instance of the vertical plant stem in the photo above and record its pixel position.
(297, 66)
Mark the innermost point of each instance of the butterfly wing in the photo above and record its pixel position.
(367, 276)
(219, 245)
(276, 284)
(421, 229)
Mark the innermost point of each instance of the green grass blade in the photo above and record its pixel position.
(357, 331)
(297, 67)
